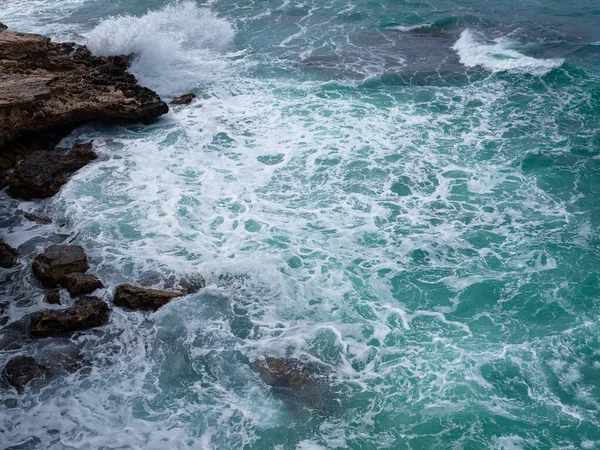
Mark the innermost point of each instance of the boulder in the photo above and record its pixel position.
(287, 373)
(89, 312)
(21, 370)
(133, 297)
(53, 297)
(43, 173)
(81, 283)
(57, 261)
(185, 99)
(9, 257)
(38, 218)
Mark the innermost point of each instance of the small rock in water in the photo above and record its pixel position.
(185, 99)
(81, 283)
(39, 218)
(21, 370)
(133, 297)
(287, 373)
(43, 173)
(57, 261)
(89, 312)
(9, 257)
(53, 297)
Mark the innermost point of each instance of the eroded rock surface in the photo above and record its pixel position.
(134, 297)
(45, 85)
(43, 173)
(81, 283)
(89, 312)
(9, 257)
(185, 99)
(58, 261)
(22, 370)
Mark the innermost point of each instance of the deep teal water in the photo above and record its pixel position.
(404, 192)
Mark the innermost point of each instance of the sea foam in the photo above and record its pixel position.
(171, 45)
(500, 56)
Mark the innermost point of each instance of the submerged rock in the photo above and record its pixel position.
(133, 297)
(43, 173)
(21, 370)
(38, 218)
(89, 312)
(9, 257)
(288, 373)
(58, 261)
(185, 99)
(81, 283)
(45, 85)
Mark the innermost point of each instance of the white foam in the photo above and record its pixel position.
(175, 46)
(499, 56)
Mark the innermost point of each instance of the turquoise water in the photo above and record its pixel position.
(404, 192)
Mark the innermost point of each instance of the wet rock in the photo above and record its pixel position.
(89, 312)
(133, 297)
(53, 297)
(81, 283)
(186, 284)
(45, 85)
(22, 370)
(38, 218)
(57, 261)
(43, 173)
(288, 373)
(9, 257)
(185, 99)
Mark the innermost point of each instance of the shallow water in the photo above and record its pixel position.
(404, 192)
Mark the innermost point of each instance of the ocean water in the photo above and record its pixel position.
(407, 193)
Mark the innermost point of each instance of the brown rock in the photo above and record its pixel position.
(21, 370)
(57, 261)
(133, 297)
(9, 257)
(53, 297)
(287, 373)
(38, 218)
(185, 99)
(45, 85)
(89, 312)
(81, 283)
(43, 173)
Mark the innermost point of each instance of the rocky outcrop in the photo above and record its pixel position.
(58, 261)
(44, 85)
(185, 99)
(9, 257)
(133, 297)
(43, 173)
(38, 218)
(89, 312)
(22, 370)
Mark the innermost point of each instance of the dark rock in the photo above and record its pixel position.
(133, 297)
(53, 297)
(57, 261)
(288, 373)
(89, 312)
(81, 283)
(21, 370)
(185, 99)
(186, 284)
(9, 257)
(45, 85)
(39, 218)
(43, 173)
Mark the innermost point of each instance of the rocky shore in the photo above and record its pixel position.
(46, 90)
